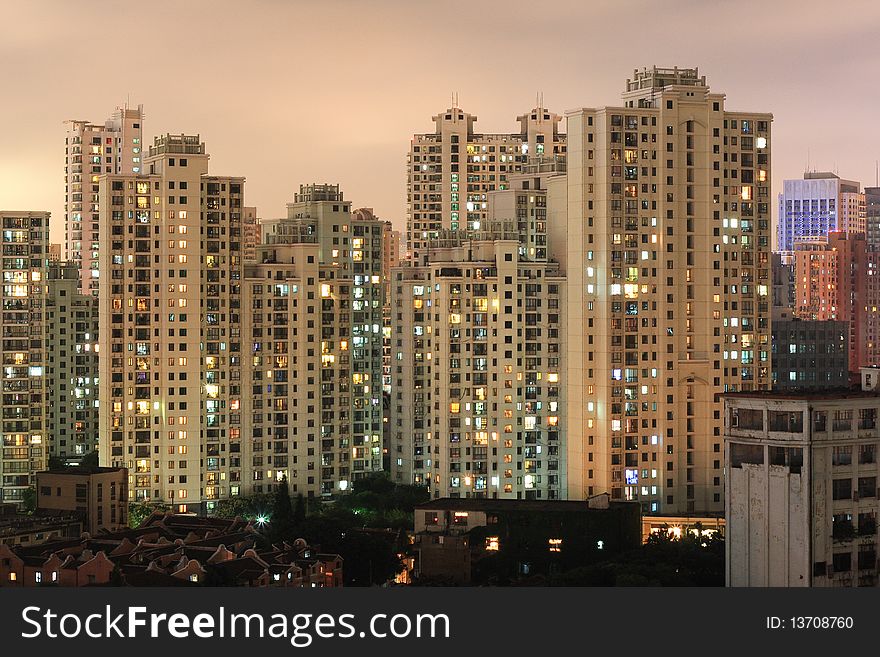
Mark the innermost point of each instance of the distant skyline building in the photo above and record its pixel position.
(251, 232)
(25, 240)
(451, 171)
(662, 228)
(836, 280)
(816, 205)
(91, 150)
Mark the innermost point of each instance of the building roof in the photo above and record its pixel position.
(805, 394)
(509, 506)
(82, 470)
(167, 546)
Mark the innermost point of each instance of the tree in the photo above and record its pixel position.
(29, 500)
(55, 463)
(140, 511)
(370, 560)
(90, 460)
(299, 512)
(282, 521)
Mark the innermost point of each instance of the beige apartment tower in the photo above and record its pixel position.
(170, 363)
(25, 240)
(662, 227)
(476, 409)
(315, 307)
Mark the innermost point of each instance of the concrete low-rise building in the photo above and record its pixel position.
(802, 494)
(457, 538)
(98, 495)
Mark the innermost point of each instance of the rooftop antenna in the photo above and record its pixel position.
(877, 173)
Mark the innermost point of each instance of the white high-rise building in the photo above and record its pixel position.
(92, 150)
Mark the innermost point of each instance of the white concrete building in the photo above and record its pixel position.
(801, 485)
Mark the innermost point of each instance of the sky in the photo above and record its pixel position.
(286, 92)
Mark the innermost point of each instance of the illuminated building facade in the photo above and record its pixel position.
(170, 384)
(662, 227)
(477, 394)
(315, 300)
(71, 365)
(836, 280)
(451, 171)
(818, 204)
(92, 150)
(25, 240)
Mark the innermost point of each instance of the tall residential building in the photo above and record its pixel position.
(170, 370)
(818, 204)
(315, 305)
(71, 365)
(801, 487)
(25, 240)
(92, 150)
(451, 171)
(55, 252)
(476, 409)
(662, 227)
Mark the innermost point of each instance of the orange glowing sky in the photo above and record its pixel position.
(288, 92)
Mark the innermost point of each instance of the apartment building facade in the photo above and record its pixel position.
(170, 385)
(476, 408)
(71, 365)
(25, 239)
(452, 171)
(92, 150)
(315, 300)
(802, 496)
(662, 228)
